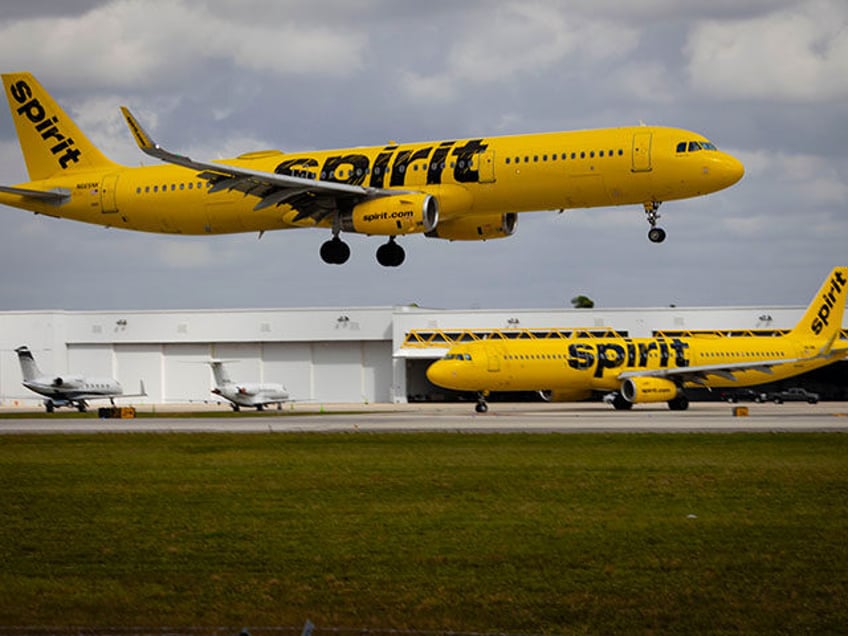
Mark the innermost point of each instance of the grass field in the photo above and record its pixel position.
(741, 533)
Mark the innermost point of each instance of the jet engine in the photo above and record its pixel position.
(393, 216)
(644, 389)
(480, 227)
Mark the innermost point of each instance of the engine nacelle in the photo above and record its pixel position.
(393, 216)
(478, 227)
(565, 395)
(644, 389)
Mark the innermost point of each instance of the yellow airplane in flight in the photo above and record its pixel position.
(636, 370)
(459, 189)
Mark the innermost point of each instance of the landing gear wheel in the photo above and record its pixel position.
(620, 404)
(679, 403)
(390, 254)
(656, 235)
(236, 408)
(335, 251)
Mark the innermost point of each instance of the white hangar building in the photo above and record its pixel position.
(329, 355)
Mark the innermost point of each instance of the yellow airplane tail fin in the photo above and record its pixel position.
(50, 141)
(823, 318)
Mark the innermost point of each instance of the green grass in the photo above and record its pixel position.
(517, 533)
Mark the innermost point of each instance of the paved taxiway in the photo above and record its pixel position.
(536, 417)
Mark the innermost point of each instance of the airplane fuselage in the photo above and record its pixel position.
(597, 364)
(483, 176)
(649, 369)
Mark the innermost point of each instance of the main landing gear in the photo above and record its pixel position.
(655, 234)
(337, 252)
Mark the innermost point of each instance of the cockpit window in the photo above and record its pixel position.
(458, 356)
(694, 146)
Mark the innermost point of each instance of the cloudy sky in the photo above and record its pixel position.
(766, 80)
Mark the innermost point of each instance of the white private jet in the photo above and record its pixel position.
(69, 390)
(252, 394)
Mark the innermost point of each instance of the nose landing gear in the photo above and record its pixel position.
(655, 234)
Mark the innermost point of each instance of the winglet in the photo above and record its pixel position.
(144, 141)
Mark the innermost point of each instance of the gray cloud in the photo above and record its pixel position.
(765, 80)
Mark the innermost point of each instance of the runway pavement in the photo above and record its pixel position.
(461, 418)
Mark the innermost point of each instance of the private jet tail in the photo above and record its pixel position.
(29, 369)
(51, 142)
(222, 378)
(822, 321)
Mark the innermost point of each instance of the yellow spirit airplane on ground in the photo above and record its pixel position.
(636, 370)
(465, 189)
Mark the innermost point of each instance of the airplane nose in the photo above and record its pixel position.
(733, 169)
(436, 373)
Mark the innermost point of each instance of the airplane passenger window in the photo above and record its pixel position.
(601, 153)
(564, 156)
(507, 159)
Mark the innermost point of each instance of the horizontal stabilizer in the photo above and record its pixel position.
(57, 196)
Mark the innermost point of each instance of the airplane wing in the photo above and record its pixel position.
(313, 198)
(699, 374)
(56, 197)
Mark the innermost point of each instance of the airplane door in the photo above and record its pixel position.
(494, 360)
(486, 166)
(108, 194)
(642, 152)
